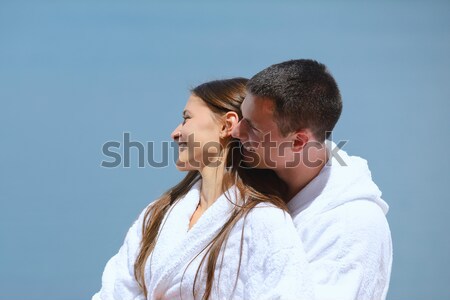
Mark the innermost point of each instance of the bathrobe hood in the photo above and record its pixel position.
(343, 179)
(341, 220)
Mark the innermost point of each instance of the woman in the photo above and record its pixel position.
(223, 231)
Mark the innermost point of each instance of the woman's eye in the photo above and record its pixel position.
(185, 118)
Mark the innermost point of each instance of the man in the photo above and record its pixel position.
(288, 115)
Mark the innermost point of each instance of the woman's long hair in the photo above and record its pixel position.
(254, 186)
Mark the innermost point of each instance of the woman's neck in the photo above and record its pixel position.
(211, 189)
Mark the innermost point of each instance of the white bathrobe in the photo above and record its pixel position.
(273, 265)
(340, 217)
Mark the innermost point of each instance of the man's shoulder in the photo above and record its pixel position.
(358, 220)
(356, 213)
(353, 236)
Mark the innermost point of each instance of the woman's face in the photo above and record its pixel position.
(198, 136)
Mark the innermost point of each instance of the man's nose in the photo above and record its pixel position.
(236, 132)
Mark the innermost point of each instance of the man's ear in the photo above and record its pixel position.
(300, 139)
(231, 119)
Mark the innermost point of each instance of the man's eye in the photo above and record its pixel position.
(250, 125)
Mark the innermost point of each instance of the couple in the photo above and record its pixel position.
(266, 210)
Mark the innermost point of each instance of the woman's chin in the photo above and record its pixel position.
(184, 166)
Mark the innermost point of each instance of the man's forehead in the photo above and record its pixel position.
(255, 106)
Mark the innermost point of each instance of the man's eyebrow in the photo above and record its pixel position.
(251, 124)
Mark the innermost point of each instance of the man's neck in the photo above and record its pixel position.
(300, 176)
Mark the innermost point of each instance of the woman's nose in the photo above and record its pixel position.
(176, 133)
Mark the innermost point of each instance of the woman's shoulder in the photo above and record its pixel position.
(137, 224)
(269, 213)
(144, 210)
(269, 229)
(269, 219)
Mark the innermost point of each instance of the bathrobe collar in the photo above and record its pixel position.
(177, 245)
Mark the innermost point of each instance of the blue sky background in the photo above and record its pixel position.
(76, 74)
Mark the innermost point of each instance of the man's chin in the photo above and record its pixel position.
(250, 160)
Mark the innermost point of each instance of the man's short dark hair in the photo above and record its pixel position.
(305, 95)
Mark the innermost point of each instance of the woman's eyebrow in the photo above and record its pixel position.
(186, 112)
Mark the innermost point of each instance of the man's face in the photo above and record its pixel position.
(264, 146)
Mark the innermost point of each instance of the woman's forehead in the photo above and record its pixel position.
(194, 103)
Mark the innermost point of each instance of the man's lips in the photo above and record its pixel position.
(250, 146)
(249, 149)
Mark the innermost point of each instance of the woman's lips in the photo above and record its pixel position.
(182, 145)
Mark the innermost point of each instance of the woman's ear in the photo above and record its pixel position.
(231, 119)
